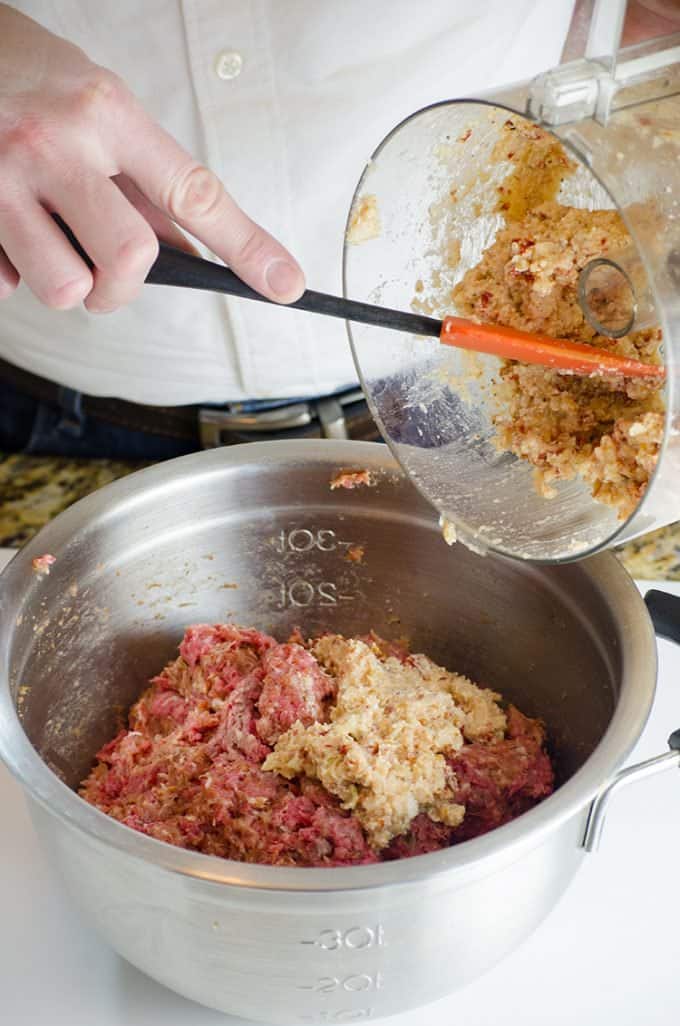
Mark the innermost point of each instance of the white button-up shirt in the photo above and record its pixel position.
(285, 100)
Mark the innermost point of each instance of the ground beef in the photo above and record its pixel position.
(500, 780)
(189, 768)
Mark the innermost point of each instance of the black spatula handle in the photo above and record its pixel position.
(184, 270)
(176, 267)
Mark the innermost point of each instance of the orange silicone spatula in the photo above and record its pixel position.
(558, 353)
(184, 270)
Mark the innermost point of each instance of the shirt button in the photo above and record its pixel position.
(228, 64)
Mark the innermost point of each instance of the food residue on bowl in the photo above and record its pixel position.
(352, 479)
(355, 554)
(364, 221)
(448, 529)
(41, 564)
(330, 751)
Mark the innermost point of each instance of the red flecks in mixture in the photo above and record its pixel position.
(188, 770)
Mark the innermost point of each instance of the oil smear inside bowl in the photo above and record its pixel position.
(316, 752)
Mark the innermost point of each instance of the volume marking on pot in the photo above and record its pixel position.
(354, 937)
(353, 984)
(301, 593)
(305, 539)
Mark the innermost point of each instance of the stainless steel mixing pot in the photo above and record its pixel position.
(254, 534)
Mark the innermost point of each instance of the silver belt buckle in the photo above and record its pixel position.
(328, 410)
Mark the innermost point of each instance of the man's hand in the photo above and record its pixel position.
(75, 141)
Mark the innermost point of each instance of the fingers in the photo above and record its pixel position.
(9, 279)
(63, 164)
(160, 222)
(118, 240)
(41, 255)
(196, 199)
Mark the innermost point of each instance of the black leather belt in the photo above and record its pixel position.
(343, 415)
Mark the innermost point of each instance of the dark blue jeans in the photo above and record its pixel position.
(30, 426)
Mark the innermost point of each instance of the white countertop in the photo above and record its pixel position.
(608, 954)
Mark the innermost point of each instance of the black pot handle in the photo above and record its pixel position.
(664, 610)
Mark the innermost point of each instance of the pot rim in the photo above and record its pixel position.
(637, 686)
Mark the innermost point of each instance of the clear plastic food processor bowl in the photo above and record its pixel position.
(620, 119)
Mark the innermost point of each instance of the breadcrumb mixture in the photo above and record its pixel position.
(383, 752)
(606, 431)
(326, 752)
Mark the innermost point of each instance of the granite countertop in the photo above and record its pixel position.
(33, 489)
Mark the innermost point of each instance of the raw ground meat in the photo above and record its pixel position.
(189, 768)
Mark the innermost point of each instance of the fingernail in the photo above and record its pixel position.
(283, 278)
